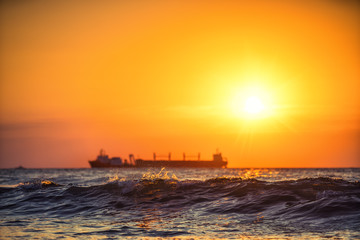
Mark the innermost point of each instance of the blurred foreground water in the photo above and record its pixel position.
(180, 203)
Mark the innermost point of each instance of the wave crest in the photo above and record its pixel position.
(37, 184)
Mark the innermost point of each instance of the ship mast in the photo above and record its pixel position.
(102, 152)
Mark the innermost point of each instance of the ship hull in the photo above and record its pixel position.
(161, 163)
(98, 164)
(180, 164)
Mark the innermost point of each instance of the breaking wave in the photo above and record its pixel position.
(187, 206)
(303, 198)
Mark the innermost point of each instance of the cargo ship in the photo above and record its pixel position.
(103, 161)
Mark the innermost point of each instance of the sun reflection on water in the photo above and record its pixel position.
(258, 173)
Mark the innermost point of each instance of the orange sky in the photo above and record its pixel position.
(144, 76)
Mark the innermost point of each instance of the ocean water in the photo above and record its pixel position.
(180, 203)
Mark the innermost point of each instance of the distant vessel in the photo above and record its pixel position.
(103, 161)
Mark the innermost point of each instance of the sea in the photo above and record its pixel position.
(188, 203)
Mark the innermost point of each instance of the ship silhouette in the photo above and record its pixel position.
(103, 161)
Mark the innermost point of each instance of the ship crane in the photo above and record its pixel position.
(162, 156)
(191, 156)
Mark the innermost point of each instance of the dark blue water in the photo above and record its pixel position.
(180, 203)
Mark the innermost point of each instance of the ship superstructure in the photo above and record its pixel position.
(103, 161)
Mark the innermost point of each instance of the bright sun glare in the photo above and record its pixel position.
(253, 105)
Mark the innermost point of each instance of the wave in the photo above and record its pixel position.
(307, 198)
(318, 197)
(164, 205)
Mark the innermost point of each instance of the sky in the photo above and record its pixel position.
(176, 76)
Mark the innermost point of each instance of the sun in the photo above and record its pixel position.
(253, 105)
